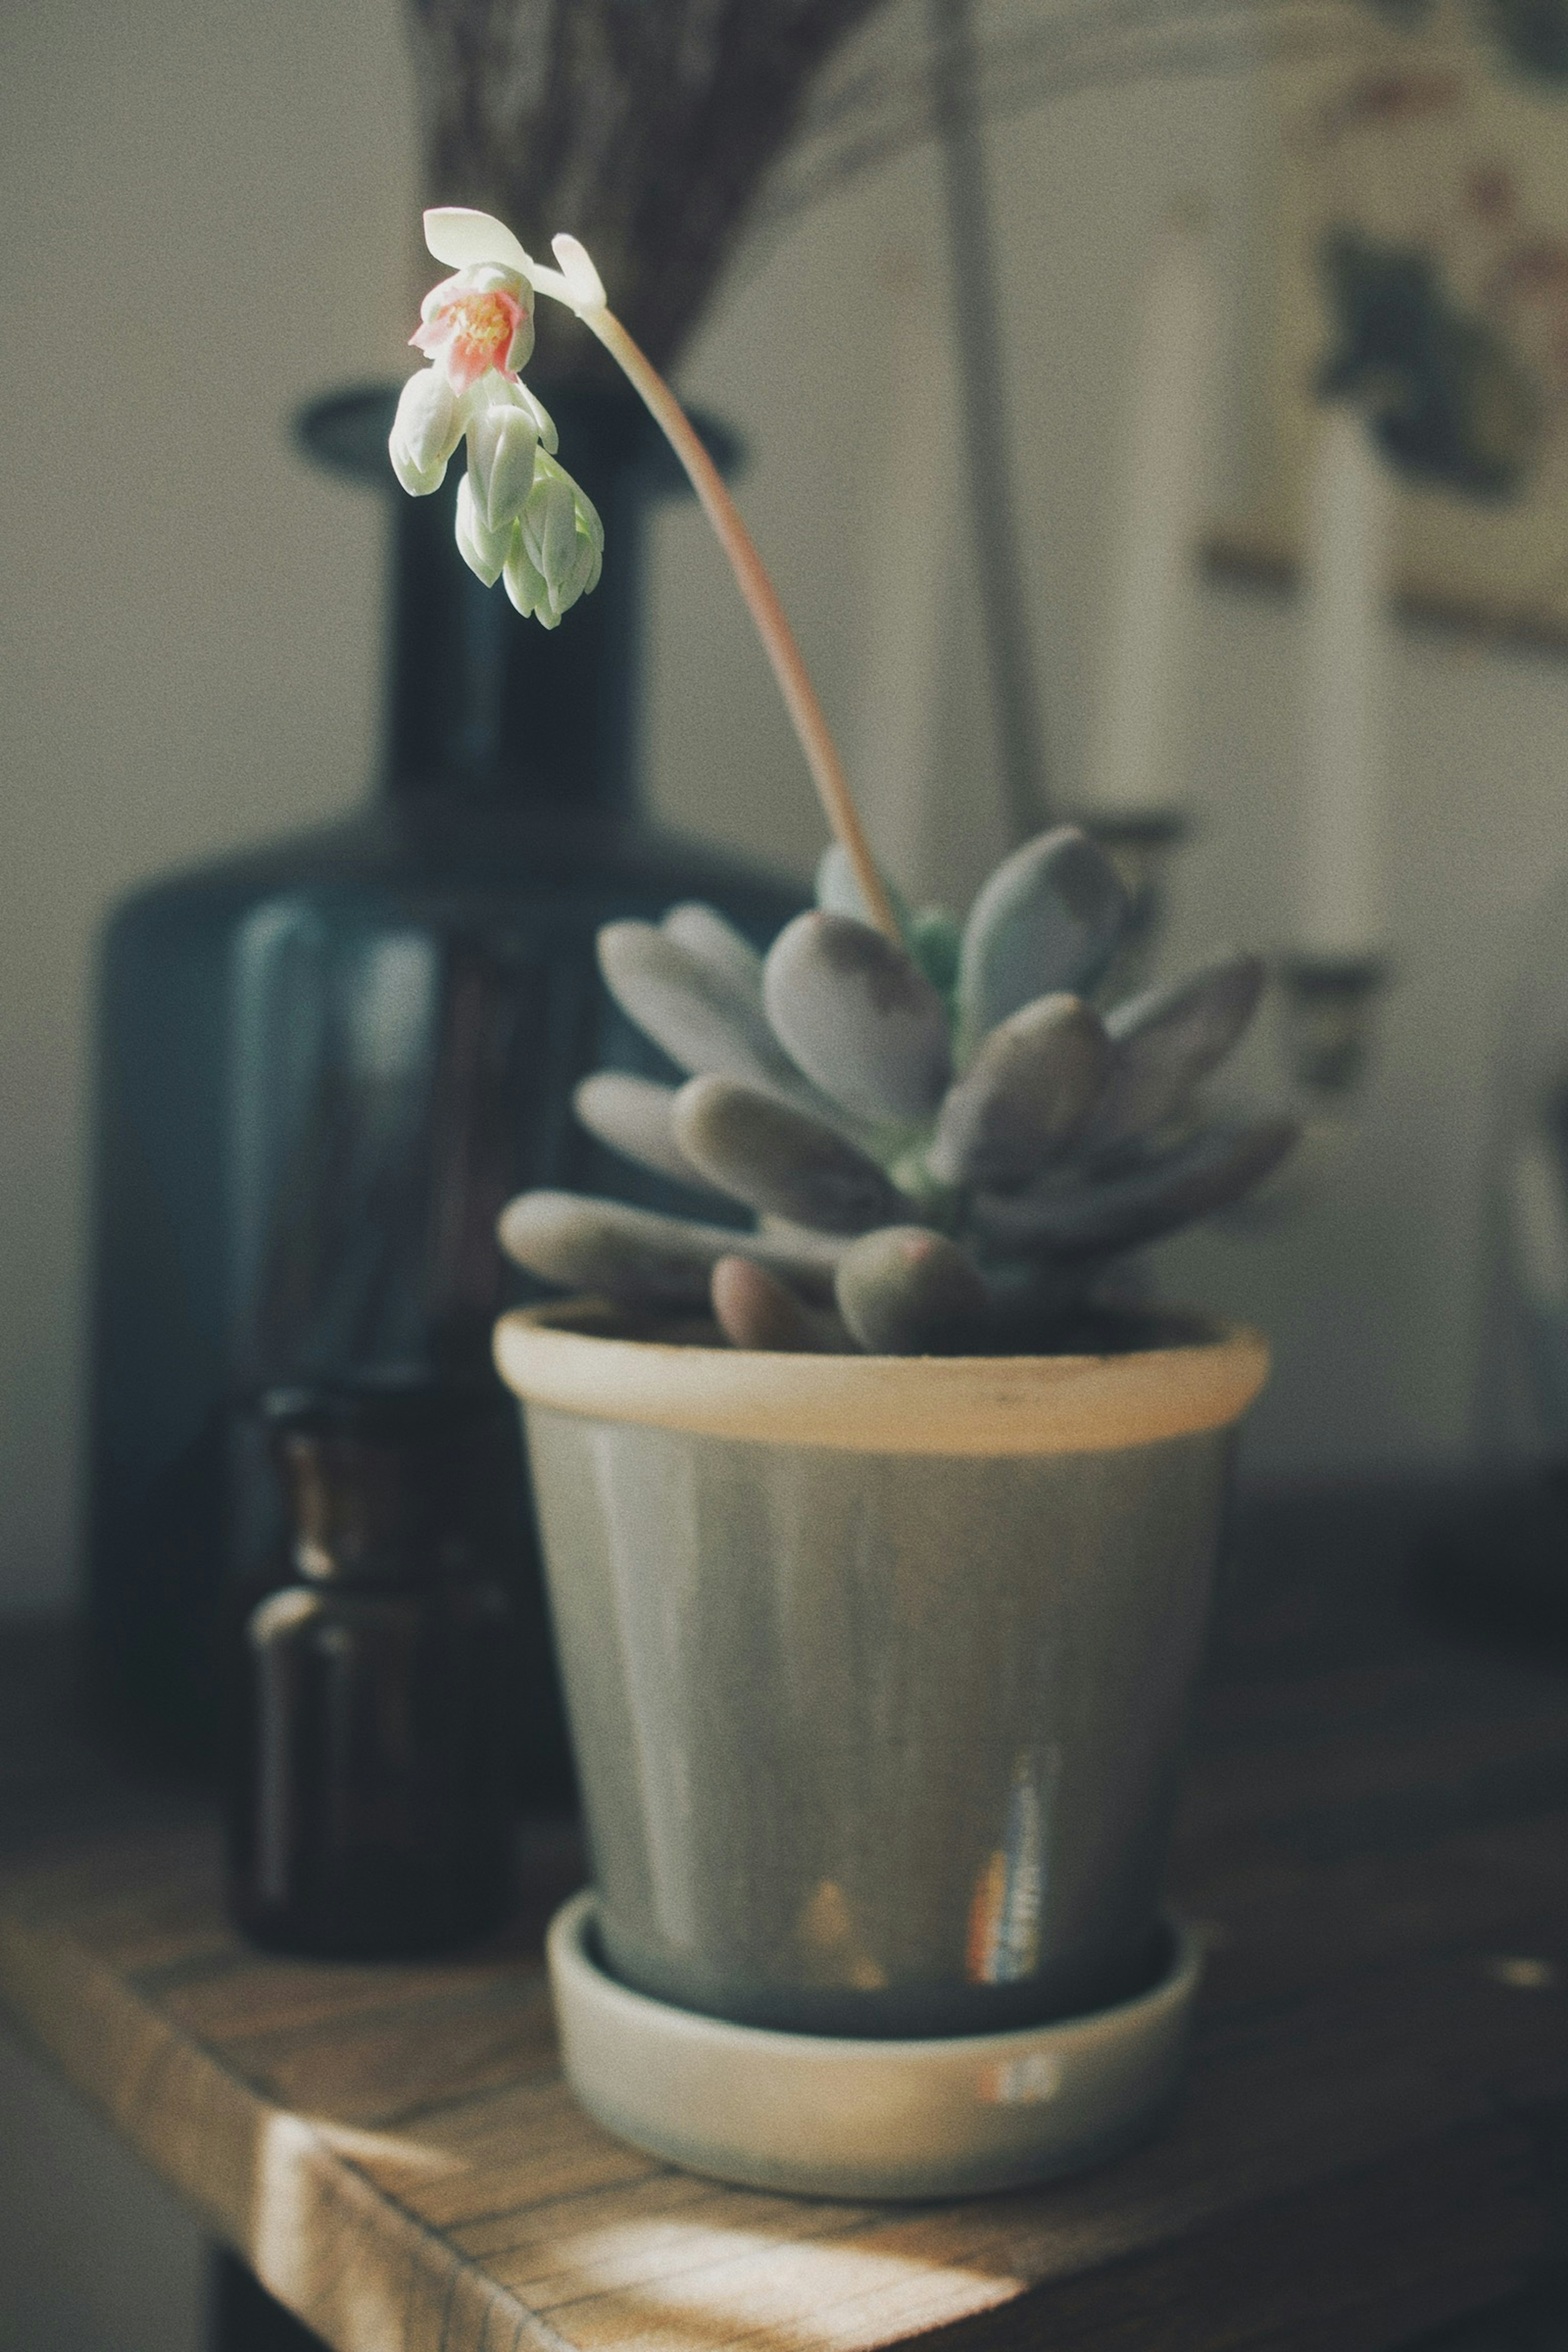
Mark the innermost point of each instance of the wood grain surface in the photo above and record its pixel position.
(1372, 2143)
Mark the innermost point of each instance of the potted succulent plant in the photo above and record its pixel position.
(880, 1531)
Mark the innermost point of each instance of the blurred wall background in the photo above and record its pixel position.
(211, 215)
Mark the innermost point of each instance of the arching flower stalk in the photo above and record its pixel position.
(522, 520)
(944, 1142)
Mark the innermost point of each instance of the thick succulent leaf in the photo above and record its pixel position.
(1024, 1097)
(632, 1117)
(1165, 1042)
(754, 1310)
(781, 1162)
(644, 1260)
(935, 941)
(700, 1017)
(906, 1291)
(930, 934)
(1049, 919)
(1068, 1219)
(705, 934)
(858, 1017)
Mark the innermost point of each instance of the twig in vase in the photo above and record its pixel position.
(1020, 733)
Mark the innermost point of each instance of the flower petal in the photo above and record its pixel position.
(524, 586)
(521, 350)
(460, 238)
(558, 538)
(584, 281)
(427, 425)
(551, 503)
(512, 468)
(484, 550)
(540, 415)
(501, 448)
(419, 481)
(566, 586)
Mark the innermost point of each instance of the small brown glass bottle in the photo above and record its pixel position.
(371, 1781)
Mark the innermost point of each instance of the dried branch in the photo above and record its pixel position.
(645, 129)
(882, 107)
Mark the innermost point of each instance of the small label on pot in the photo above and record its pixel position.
(1023, 2081)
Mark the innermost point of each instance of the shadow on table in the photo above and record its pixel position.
(245, 2318)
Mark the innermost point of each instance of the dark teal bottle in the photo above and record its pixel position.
(324, 1065)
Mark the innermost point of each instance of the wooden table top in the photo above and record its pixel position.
(1374, 2140)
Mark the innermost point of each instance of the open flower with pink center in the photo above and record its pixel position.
(479, 319)
(520, 514)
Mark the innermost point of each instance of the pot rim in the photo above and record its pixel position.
(578, 1356)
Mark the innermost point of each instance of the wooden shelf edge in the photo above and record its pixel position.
(331, 2246)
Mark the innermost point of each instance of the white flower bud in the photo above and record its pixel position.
(501, 445)
(563, 537)
(540, 415)
(558, 538)
(549, 493)
(572, 581)
(526, 589)
(484, 550)
(583, 282)
(418, 481)
(425, 432)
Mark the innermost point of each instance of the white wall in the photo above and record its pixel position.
(208, 214)
(1371, 1290)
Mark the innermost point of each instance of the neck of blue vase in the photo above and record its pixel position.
(485, 706)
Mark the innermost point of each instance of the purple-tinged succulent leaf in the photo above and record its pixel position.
(703, 1021)
(632, 1117)
(1024, 1097)
(1049, 919)
(781, 1162)
(754, 1310)
(641, 1259)
(906, 1291)
(1165, 1042)
(1065, 1219)
(859, 1018)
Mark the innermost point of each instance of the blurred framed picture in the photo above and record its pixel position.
(1420, 266)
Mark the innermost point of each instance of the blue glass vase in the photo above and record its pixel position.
(324, 1064)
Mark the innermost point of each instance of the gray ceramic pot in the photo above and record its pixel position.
(878, 1668)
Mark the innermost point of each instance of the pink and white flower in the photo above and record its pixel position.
(520, 514)
(479, 319)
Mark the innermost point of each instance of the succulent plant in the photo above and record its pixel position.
(942, 1141)
(944, 1144)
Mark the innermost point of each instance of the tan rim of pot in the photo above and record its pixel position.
(582, 1356)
